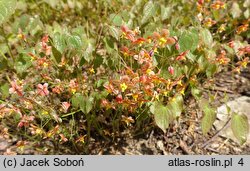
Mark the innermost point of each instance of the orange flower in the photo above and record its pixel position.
(163, 38)
(21, 145)
(43, 89)
(128, 34)
(171, 41)
(73, 85)
(165, 33)
(16, 87)
(57, 89)
(25, 121)
(242, 28)
(156, 35)
(43, 62)
(209, 22)
(110, 88)
(126, 52)
(244, 50)
(81, 139)
(236, 69)
(63, 138)
(140, 41)
(45, 47)
(127, 120)
(182, 56)
(243, 63)
(231, 44)
(222, 59)
(218, 5)
(65, 106)
(21, 35)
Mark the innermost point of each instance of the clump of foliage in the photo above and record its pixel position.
(71, 69)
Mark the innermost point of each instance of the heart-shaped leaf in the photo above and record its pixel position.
(7, 8)
(161, 115)
(165, 12)
(240, 127)
(86, 104)
(148, 11)
(208, 119)
(196, 93)
(176, 105)
(189, 40)
(114, 32)
(206, 37)
(75, 41)
(59, 42)
(235, 10)
(116, 19)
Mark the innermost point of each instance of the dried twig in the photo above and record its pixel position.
(213, 150)
(220, 89)
(184, 147)
(224, 142)
(215, 135)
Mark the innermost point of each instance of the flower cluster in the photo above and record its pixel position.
(136, 86)
(218, 5)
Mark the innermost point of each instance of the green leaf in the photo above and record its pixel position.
(208, 119)
(109, 44)
(22, 63)
(148, 11)
(235, 10)
(98, 60)
(229, 50)
(88, 52)
(116, 19)
(4, 49)
(34, 26)
(75, 41)
(161, 115)
(59, 42)
(189, 40)
(52, 3)
(86, 104)
(5, 90)
(191, 57)
(240, 127)
(3, 64)
(211, 69)
(7, 8)
(206, 37)
(217, 14)
(176, 105)
(114, 32)
(165, 12)
(196, 92)
(247, 13)
(56, 54)
(75, 100)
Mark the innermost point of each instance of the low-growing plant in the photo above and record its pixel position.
(65, 84)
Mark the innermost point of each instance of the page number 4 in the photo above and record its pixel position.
(241, 162)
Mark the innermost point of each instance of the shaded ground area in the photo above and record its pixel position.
(184, 136)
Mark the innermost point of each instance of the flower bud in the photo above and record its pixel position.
(171, 70)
